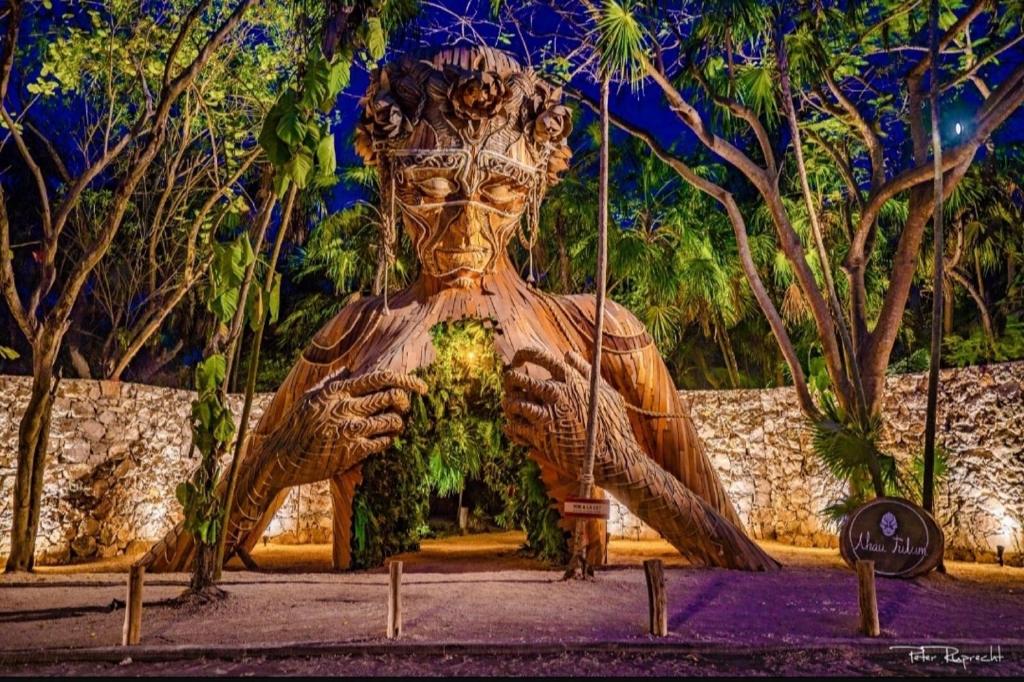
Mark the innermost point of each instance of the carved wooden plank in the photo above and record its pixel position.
(132, 631)
(867, 598)
(394, 625)
(657, 603)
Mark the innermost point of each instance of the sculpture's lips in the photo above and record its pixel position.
(449, 260)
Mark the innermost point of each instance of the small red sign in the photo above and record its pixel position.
(586, 508)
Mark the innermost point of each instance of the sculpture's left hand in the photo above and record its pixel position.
(550, 415)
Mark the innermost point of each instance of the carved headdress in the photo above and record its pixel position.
(463, 97)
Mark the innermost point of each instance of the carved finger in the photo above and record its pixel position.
(383, 379)
(576, 361)
(555, 367)
(334, 384)
(524, 409)
(518, 381)
(519, 431)
(371, 446)
(382, 424)
(370, 426)
(391, 400)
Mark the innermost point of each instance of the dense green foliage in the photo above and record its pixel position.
(453, 436)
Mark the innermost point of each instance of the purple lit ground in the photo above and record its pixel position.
(478, 593)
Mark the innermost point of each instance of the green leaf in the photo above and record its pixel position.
(376, 42)
(338, 79)
(254, 308)
(183, 493)
(8, 353)
(210, 372)
(274, 300)
(224, 428)
(299, 167)
(291, 129)
(281, 182)
(224, 304)
(325, 156)
(275, 149)
(231, 260)
(315, 83)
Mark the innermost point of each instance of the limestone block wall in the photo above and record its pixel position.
(758, 443)
(117, 450)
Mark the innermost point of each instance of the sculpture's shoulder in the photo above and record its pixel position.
(622, 330)
(336, 337)
(325, 355)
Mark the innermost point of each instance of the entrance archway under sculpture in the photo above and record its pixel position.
(466, 141)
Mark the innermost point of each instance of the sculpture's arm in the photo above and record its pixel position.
(632, 364)
(550, 416)
(330, 429)
(661, 421)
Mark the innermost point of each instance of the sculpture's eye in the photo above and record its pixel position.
(501, 193)
(437, 188)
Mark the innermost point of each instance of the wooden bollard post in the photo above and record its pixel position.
(656, 602)
(395, 600)
(868, 598)
(133, 607)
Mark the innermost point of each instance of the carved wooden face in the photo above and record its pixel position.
(461, 207)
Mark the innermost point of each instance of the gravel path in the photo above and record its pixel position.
(801, 619)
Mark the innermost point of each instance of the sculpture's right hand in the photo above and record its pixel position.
(339, 423)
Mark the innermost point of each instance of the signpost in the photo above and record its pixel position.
(586, 508)
(901, 538)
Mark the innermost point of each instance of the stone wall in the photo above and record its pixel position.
(118, 450)
(757, 441)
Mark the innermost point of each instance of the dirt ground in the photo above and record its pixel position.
(478, 591)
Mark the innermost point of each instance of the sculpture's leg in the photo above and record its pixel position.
(561, 485)
(343, 489)
(662, 424)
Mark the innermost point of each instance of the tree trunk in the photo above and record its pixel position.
(947, 308)
(938, 255)
(203, 569)
(250, 385)
(725, 344)
(702, 365)
(78, 361)
(142, 335)
(986, 317)
(33, 439)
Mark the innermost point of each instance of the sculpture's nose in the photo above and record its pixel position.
(465, 226)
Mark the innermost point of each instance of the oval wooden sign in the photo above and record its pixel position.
(901, 538)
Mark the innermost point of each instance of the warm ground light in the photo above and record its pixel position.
(506, 612)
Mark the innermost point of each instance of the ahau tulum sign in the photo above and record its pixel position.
(900, 537)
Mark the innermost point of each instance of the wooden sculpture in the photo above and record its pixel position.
(466, 142)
